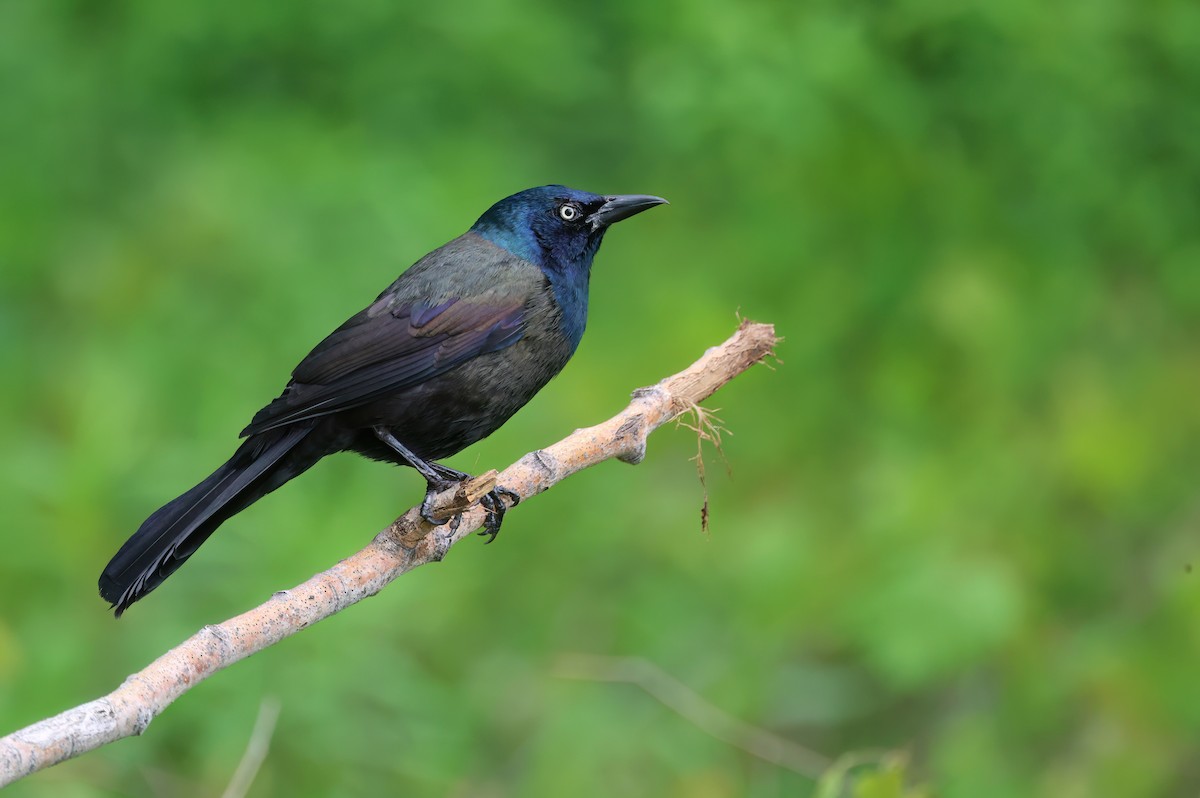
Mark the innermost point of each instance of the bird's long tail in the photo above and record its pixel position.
(173, 533)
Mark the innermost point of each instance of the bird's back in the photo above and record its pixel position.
(443, 357)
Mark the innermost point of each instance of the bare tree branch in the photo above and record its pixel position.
(405, 544)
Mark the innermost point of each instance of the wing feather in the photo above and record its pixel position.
(389, 347)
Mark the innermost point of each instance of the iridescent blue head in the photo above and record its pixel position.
(559, 229)
(556, 227)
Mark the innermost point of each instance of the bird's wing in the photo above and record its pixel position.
(390, 346)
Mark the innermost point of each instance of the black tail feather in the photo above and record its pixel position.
(173, 532)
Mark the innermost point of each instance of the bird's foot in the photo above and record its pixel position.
(431, 492)
(492, 502)
(512, 494)
(495, 506)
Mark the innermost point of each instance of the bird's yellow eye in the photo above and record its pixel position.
(568, 212)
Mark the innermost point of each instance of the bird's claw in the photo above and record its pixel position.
(492, 502)
(431, 492)
(495, 507)
(512, 494)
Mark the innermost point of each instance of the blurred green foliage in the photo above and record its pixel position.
(962, 513)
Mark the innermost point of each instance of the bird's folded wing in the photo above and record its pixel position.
(388, 348)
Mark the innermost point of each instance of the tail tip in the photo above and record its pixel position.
(118, 599)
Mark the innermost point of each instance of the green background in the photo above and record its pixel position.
(962, 513)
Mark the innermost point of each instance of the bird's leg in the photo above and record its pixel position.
(439, 477)
(435, 481)
(448, 473)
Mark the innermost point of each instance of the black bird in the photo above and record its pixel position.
(441, 359)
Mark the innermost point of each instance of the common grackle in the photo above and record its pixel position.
(443, 357)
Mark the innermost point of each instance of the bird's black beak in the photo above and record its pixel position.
(622, 206)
